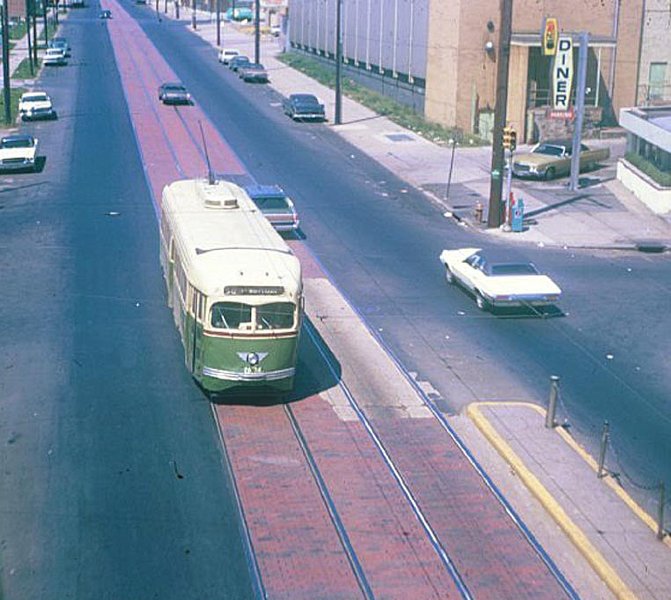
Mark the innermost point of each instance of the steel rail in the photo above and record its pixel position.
(421, 517)
(489, 483)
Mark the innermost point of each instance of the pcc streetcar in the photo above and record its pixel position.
(234, 286)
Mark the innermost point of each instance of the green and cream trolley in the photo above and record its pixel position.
(234, 287)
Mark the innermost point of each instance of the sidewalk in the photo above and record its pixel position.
(543, 472)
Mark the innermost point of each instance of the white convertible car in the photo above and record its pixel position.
(496, 283)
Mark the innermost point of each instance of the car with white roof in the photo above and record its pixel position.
(54, 57)
(496, 282)
(36, 105)
(226, 54)
(18, 152)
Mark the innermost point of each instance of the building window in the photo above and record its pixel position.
(656, 80)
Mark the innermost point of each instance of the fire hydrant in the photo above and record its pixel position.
(478, 211)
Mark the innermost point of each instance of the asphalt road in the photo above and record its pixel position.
(113, 482)
(105, 493)
(380, 240)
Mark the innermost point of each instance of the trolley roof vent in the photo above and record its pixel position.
(215, 196)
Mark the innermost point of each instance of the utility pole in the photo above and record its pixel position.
(502, 61)
(193, 14)
(46, 28)
(338, 60)
(218, 23)
(5, 61)
(579, 111)
(30, 44)
(257, 31)
(34, 15)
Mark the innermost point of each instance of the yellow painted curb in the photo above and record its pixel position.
(574, 533)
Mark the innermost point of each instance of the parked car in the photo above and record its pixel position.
(36, 105)
(18, 152)
(238, 61)
(275, 30)
(303, 107)
(173, 93)
(253, 72)
(275, 205)
(239, 14)
(54, 57)
(552, 158)
(60, 42)
(496, 282)
(105, 14)
(226, 54)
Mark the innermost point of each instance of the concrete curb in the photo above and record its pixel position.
(575, 534)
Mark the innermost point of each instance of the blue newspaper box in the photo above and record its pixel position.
(517, 217)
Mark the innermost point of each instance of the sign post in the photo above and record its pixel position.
(579, 111)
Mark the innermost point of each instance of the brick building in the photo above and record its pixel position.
(434, 54)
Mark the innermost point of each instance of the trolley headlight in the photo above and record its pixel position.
(253, 358)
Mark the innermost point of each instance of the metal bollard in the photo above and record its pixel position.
(550, 422)
(660, 515)
(602, 452)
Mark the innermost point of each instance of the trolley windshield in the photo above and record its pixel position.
(245, 317)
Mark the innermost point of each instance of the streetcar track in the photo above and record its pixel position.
(328, 501)
(422, 518)
(435, 411)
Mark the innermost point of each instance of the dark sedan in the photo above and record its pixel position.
(173, 93)
(239, 61)
(304, 107)
(253, 72)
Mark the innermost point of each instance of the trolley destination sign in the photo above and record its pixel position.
(253, 290)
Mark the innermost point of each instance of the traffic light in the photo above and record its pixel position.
(509, 138)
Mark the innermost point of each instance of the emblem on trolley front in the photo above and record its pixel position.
(252, 358)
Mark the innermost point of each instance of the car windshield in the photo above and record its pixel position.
(549, 149)
(513, 269)
(36, 98)
(174, 88)
(237, 315)
(254, 67)
(17, 143)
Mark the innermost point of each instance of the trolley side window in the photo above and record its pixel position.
(230, 315)
(276, 315)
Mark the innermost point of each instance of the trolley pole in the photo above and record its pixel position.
(502, 61)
